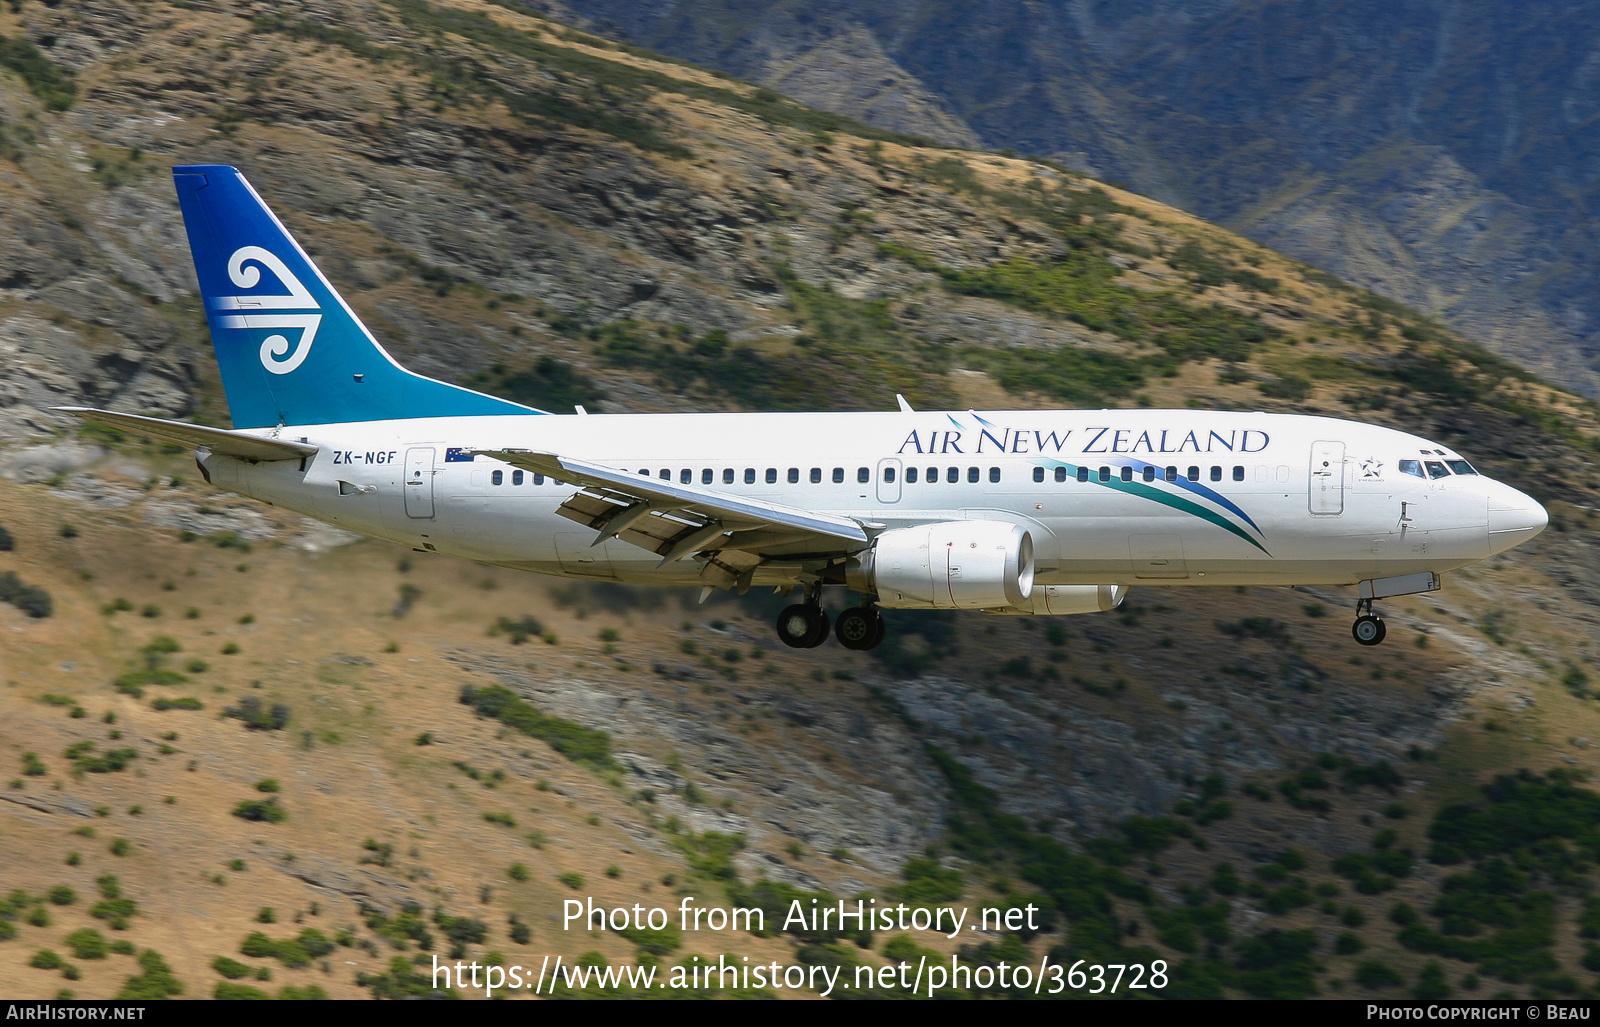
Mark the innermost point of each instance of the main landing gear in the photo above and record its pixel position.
(1368, 628)
(805, 625)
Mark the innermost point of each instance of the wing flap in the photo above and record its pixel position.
(196, 436)
(607, 490)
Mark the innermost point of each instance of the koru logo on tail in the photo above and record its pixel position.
(276, 355)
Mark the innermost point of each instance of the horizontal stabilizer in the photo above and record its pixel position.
(195, 436)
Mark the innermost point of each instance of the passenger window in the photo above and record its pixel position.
(1061, 474)
(1083, 474)
(516, 477)
(911, 475)
(994, 474)
(838, 475)
(772, 476)
(794, 475)
(1038, 474)
(1172, 474)
(727, 476)
(497, 478)
(749, 475)
(952, 475)
(645, 471)
(705, 476)
(1194, 474)
(1216, 474)
(1412, 467)
(972, 474)
(816, 475)
(538, 479)
(1105, 474)
(1461, 467)
(1436, 469)
(686, 476)
(933, 476)
(888, 473)
(1149, 473)
(1238, 473)
(1127, 474)
(666, 475)
(864, 475)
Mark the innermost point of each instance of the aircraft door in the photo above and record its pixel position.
(1327, 478)
(889, 472)
(419, 482)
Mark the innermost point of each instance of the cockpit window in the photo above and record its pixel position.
(1461, 467)
(1436, 469)
(1412, 467)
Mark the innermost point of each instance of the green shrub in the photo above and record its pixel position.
(315, 943)
(61, 895)
(227, 991)
(580, 744)
(307, 993)
(257, 945)
(184, 703)
(571, 879)
(517, 871)
(231, 968)
(50, 82)
(1373, 975)
(156, 982)
(1348, 944)
(258, 717)
(32, 766)
(30, 599)
(87, 943)
(260, 810)
(46, 959)
(267, 785)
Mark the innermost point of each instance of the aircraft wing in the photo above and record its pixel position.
(195, 436)
(675, 520)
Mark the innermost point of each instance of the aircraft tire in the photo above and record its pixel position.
(859, 628)
(797, 626)
(821, 634)
(1369, 630)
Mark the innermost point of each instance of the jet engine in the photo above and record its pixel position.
(948, 565)
(1056, 600)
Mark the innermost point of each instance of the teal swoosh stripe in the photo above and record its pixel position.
(1140, 489)
(1143, 491)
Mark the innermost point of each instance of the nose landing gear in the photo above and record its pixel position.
(1368, 628)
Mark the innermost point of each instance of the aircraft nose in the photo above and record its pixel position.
(1514, 518)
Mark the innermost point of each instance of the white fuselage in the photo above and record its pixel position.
(1274, 499)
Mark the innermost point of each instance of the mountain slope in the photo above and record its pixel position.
(1433, 152)
(532, 210)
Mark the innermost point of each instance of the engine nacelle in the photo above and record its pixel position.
(948, 565)
(1056, 600)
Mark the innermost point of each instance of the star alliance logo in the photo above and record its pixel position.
(1371, 468)
(275, 348)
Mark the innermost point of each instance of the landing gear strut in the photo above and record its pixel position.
(860, 628)
(1368, 628)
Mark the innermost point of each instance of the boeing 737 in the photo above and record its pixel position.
(1039, 512)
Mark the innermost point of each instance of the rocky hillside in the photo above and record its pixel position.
(225, 709)
(1429, 151)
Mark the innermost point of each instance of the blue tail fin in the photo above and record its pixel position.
(290, 349)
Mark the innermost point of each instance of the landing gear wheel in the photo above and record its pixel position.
(1369, 630)
(802, 626)
(859, 628)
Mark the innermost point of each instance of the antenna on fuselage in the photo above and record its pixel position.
(905, 408)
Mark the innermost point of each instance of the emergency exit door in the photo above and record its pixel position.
(1327, 478)
(419, 482)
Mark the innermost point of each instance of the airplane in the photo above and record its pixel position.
(1030, 512)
